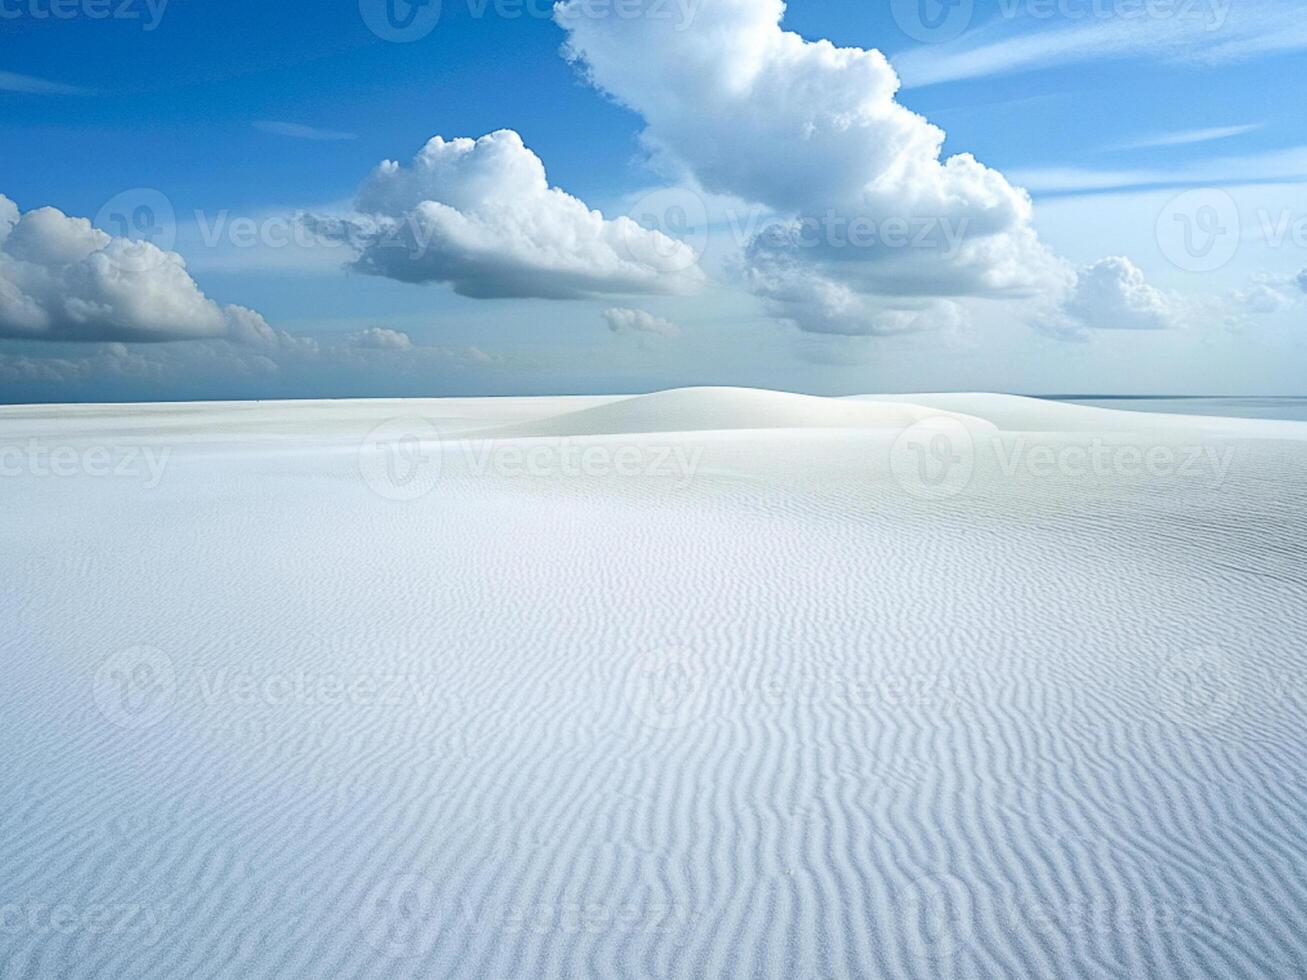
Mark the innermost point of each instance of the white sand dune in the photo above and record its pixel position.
(698, 684)
(699, 409)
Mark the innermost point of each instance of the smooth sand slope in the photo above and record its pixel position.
(707, 683)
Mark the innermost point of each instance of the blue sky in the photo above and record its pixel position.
(1104, 111)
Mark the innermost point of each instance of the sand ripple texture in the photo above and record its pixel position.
(709, 683)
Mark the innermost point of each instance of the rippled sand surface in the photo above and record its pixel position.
(707, 683)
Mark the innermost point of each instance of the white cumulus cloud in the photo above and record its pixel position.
(381, 338)
(63, 279)
(1113, 294)
(481, 216)
(813, 131)
(1271, 294)
(624, 320)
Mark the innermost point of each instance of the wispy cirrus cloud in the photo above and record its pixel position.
(301, 132)
(1290, 164)
(30, 85)
(1212, 32)
(1186, 137)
